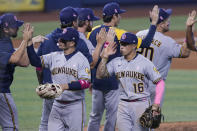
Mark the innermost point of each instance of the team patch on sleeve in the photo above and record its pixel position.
(87, 71)
(155, 69)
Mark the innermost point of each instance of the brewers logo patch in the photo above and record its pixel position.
(87, 71)
(155, 69)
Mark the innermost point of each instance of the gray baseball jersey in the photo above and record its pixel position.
(133, 76)
(161, 52)
(88, 43)
(63, 71)
(133, 79)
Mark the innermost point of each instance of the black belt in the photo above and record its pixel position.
(65, 102)
(135, 100)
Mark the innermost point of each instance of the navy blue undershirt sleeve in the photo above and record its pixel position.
(33, 58)
(75, 85)
(146, 42)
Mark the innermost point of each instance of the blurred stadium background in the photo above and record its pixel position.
(181, 85)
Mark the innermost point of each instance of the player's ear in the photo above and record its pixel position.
(72, 43)
(5, 30)
(75, 24)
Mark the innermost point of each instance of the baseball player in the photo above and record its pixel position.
(85, 22)
(71, 69)
(163, 48)
(133, 72)
(189, 33)
(9, 59)
(105, 91)
(68, 18)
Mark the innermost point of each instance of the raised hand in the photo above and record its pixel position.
(101, 36)
(111, 35)
(39, 39)
(191, 18)
(154, 14)
(28, 32)
(110, 49)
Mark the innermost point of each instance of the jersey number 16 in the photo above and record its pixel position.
(138, 87)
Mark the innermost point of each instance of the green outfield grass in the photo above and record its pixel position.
(180, 99)
(132, 24)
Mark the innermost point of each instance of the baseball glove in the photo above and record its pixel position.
(150, 119)
(49, 91)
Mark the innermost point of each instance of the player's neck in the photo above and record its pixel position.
(81, 29)
(109, 24)
(69, 51)
(130, 56)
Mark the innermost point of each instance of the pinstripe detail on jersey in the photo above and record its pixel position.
(11, 111)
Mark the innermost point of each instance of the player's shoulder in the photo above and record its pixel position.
(80, 57)
(94, 30)
(142, 59)
(142, 32)
(56, 53)
(117, 59)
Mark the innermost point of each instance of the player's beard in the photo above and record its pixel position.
(166, 28)
(13, 33)
(89, 28)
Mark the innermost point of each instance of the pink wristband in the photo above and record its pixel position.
(38, 68)
(106, 44)
(160, 87)
(84, 84)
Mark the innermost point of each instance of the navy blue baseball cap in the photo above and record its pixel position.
(87, 14)
(163, 15)
(112, 8)
(130, 38)
(10, 20)
(70, 34)
(67, 15)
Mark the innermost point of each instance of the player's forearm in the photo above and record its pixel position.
(39, 74)
(96, 55)
(146, 42)
(102, 68)
(190, 39)
(24, 61)
(16, 56)
(34, 59)
(160, 88)
(185, 52)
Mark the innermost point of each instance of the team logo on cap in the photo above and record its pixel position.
(115, 10)
(88, 17)
(6, 24)
(123, 36)
(64, 31)
(74, 15)
(73, 38)
(15, 18)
